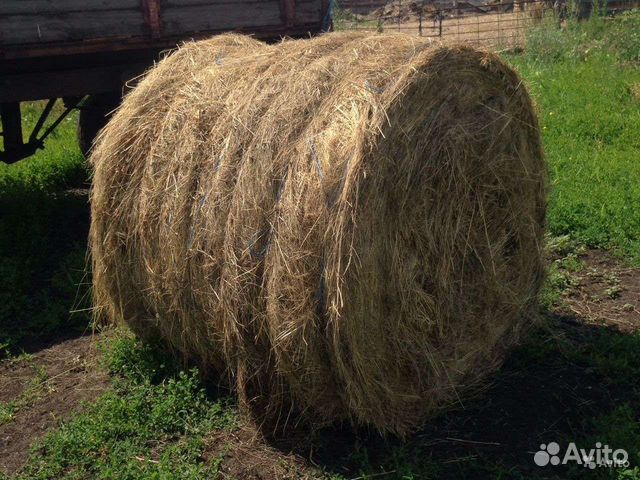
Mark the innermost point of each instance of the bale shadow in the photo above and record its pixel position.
(549, 390)
(43, 241)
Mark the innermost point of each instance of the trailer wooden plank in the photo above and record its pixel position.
(309, 7)
(116, 45)
(186, 20)
(151, 10)
(67, 83)
(212, 3)
(38, 29)
(288, 11)
(308, 11)
(42, 7)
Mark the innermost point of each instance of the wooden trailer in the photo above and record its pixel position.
(83, 51)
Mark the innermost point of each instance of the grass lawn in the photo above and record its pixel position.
(576, 379)
(589, 107)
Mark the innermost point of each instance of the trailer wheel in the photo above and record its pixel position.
(94, 115)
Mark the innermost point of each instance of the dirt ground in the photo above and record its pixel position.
(605, 293)
(48, 386)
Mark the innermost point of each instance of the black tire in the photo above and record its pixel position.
(94, 115)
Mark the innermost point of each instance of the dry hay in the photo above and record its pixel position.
(349, 226)
(538, 10)
(397, 11)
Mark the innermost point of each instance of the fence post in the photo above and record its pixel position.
(440, 15)
(420, 20)
(500, 11)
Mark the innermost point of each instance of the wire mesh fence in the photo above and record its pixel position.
(495, 22)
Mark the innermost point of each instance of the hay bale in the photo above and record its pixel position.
(350, 226)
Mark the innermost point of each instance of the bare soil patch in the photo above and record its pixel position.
(605, 292)
(14, 376)
(69, 375)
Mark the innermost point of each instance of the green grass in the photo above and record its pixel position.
(35, 388)
(151, 424)
(55, 167)
(587, 90)
(564, 253)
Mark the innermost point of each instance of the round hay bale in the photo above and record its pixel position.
(350, 226)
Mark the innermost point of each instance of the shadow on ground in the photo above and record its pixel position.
(43, 238)
(571, 382)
